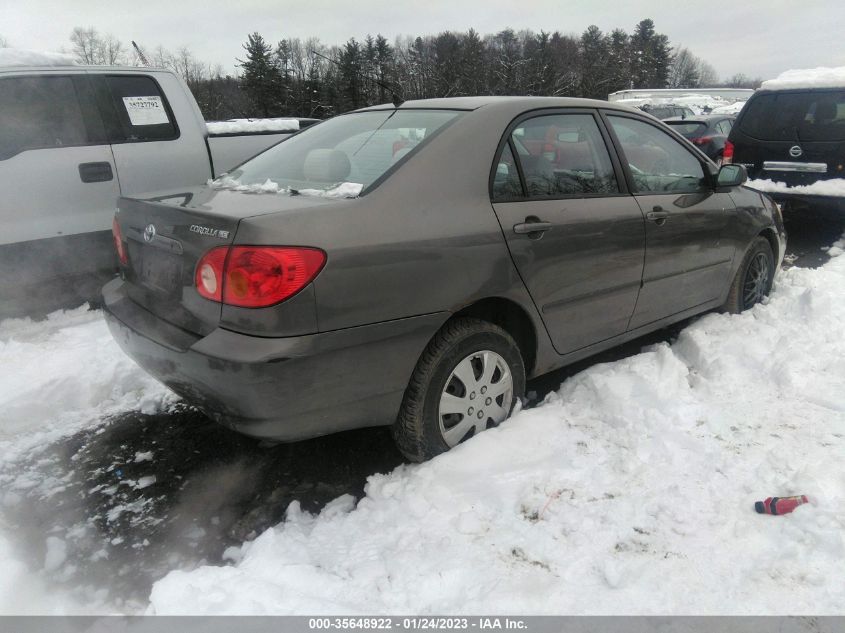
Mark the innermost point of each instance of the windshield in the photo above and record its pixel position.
(688, 130)
(342, 156)
(796, 116)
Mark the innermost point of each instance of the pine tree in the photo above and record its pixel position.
(473, 68)
(595, 53)
(261, 80)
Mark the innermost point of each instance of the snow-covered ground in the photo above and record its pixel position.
(698, 103)
(834, 187)
(629, 490)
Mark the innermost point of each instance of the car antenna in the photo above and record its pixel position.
(395, 98)
(141, 55)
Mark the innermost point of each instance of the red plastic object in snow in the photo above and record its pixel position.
(779, 505)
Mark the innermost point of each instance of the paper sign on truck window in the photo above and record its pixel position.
(145, 110)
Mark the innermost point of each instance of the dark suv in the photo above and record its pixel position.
(794, 136)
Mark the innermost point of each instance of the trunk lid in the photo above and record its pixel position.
(167, 234)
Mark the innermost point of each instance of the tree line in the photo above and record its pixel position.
(307, 78)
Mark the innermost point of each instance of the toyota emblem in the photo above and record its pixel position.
(795, 151)
(149, 233)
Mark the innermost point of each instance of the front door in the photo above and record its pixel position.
(575, 236)
(688, 256)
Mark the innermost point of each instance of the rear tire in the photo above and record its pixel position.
(754, 278)
(468, 379)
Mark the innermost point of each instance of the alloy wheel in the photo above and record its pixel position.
(756, 282)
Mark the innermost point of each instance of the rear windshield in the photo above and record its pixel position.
(689, 130)
(346, 154)
(796, 116)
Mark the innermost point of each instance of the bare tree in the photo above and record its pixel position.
(3, 42)
(92, 48)
(86, 45)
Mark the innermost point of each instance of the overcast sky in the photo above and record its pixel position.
(756, 37)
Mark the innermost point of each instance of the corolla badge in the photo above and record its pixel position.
(795, 151)
(149, 232)
(205, 230)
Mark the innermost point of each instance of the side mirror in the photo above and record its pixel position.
(731, 176)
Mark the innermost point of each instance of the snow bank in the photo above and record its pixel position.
(23, 57)
(834, 187)
(62, 375)
(821, 77)
(629, 491)
(731, 108)
(245, 126)
(698, 103)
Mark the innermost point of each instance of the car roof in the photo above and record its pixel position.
(502, 102)
(699, 118)
(79, 68)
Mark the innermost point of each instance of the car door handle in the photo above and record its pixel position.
(658, 215)
(95, 172)
(529, 227)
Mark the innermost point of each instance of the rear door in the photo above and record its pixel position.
(687, 255)
(158, 142)
(574, 233)
(59, 183)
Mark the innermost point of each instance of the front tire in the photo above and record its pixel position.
(754, 278)
(467, 380)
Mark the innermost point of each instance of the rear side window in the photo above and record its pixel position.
(142, 113)
(796, 116)
(658, 163)
(563, 155)
(506, 183)
(39, 112)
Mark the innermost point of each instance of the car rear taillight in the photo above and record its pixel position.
(256, 276)
(728, 153)
(118, 242)
(702, 140)
(209, 275)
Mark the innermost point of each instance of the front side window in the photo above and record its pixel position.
(563, 155)
(141, 109)
(353, 150)
(39, 112)
(658, 162)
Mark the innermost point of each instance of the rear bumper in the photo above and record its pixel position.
(280, 388)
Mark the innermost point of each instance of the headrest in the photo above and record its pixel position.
(825, 111)
(326, 165)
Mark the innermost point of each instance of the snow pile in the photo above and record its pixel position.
(64, 374)
(245, 126)
(698, 103)
(341, 190)
(821, 77)
(834, 187)
(628, 491)
(23, 57)
(731, 108)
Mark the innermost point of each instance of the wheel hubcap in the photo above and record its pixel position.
(478, 394)
(756, 280)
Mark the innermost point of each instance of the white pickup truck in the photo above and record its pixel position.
(75, 138)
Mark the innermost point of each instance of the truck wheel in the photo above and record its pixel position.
(467, 380)
(754, 278)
